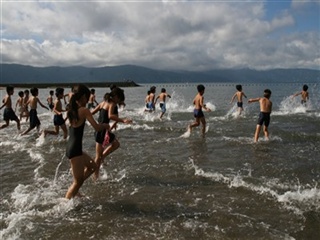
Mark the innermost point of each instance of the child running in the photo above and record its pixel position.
(106, 141)
(239, 94)
(198, 113)
(150, 104)
(25, 105)
(19, 105)
(264, 116)
(50, 100)
(58, 119)
(92, 99)
(33, 102)
(304, 95)
(162, 97)
(8, 113)
(82, 165)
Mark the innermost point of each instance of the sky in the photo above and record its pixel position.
(164, 35)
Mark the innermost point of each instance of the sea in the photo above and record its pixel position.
(163, 183)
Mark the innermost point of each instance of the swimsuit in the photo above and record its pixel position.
(150, 106)
(58, 120)
(51, 105)
(8, 114)
(90, 105)
(198, 113)
(34, 120)
(74, 145)
(163, 107)
(240, 104)
(102, 135)
(264, 118)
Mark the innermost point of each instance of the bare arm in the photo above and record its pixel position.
(297, 94)
(42, 104)
(156, 99)
(5, 100)
(115, 117)
(97, 108)
(233, 97)
(251, 100)
(203, 105)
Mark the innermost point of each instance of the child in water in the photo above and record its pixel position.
(33, 102)
(239, 94)
(106, 141)
(82, 165)
(50, 100)
(8, 114)
(58, 119)
(304, 95)
(197, 112)
(162, 97)
(264, 116)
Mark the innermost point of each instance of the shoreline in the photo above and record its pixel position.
(70, 84)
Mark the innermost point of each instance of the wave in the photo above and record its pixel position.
(298, 198)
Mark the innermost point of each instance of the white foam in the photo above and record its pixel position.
(187, 134)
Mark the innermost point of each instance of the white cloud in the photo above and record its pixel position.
(170, 35)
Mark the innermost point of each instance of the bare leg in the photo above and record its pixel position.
(97, 160)
(203, 122)
(82, 167)
(194, 124)
(4, 125)
(256, 134)
(65, 131)
(114, 146)
(54, 132)
(18, 124)
(266, 132)
(28, 130)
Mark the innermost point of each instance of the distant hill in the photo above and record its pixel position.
(14, 73)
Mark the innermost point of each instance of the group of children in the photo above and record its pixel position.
(265, 108)
(78, 111)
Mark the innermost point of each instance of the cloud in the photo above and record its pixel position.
(168, 35)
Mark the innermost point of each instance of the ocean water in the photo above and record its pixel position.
(163, 183)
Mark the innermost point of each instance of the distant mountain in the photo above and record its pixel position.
(21, 74)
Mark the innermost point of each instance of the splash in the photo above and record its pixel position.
(291, 105)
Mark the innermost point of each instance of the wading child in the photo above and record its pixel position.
(25, 105)
(264, 116)
(58, 119)
(304, 95)
(162, 97)
(197, 112)
(106, 141)
(239, 94)
(8, 113)
(92, 99)
(151, 104)
(50, 100)
(146, 100)
(33, 103)
(82, 164)
(19, 105)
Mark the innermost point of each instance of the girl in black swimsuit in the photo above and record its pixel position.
(81, 163)
(108, 111)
